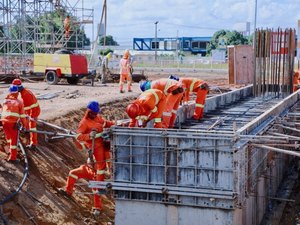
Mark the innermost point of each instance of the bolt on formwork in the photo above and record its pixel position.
(31, 26)
(216, 173)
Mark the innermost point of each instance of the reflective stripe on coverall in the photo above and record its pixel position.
(87, 125)
(152, 104)
(125, 73)
(173, 100)
(194, 85)
(32, 109)
(12, 112)
(84, 172)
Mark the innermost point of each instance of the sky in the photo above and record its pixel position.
(127, 19)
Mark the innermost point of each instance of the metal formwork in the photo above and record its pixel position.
(205, 172)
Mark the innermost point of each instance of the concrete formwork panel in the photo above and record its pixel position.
(198, 176)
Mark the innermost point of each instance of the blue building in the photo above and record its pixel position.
(194, 45)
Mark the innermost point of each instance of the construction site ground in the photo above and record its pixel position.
(39, 201)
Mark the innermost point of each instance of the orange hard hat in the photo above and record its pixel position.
(133, 110)
(17, 82)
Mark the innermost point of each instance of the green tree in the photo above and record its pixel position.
(109, 41)
(222, 38)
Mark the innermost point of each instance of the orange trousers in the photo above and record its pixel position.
(11, 136)
(85, 172)
(170, 112)
(33, 135)
(200, 102)
(124, 77)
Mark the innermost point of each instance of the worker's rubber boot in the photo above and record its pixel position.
(121, 91)
(13, 155)
(64, 192)
(96, 212)
(32, 147)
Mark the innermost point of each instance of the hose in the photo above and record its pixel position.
(25, 175)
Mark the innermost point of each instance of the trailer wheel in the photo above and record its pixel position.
(51, 77)
(72, 80)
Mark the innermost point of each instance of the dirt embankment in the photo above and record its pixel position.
(39, 201)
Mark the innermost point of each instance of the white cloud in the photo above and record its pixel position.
(135, 18)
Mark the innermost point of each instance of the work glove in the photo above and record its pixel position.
(93, 134)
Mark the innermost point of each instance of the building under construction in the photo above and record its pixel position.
(36, 26)
(228, 168)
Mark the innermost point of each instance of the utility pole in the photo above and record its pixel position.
(156, 45)
(95, 44)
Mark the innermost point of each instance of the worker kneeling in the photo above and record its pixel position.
(149, 105)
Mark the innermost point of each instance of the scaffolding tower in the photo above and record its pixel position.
(28, 26)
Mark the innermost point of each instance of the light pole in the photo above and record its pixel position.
(156, 45)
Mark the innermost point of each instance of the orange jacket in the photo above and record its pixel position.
(190, 85)
(124, 66)
(166, 85)
(148, 102)
(87, 125)
(31, 105)
(13, 110)
(296, 81)
(67, 22)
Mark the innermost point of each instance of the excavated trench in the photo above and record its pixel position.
(39, 201)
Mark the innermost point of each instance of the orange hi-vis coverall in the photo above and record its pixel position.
(174, 92)
(67, 26)
(152, 103)
(125, 73)
(32, 109)
(12, 112)
(87, 125)
(296, 81)
(197, 86)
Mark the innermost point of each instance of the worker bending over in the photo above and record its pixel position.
(12, 113)
(197, 86)
(32, 109)
(296, 81)
(89, 133)
(125, 74)
(173, 91)
(104, 67)
(149, 105)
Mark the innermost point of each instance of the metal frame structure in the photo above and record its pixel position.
(219, 173)
(22, 32)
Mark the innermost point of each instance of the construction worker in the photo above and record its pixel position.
(296, 81)
(32, 110)
(174, 92)
(104, 67)
(125, 68)
(12, 113)
(67, 26)
(199, 87)
(149, 105)
(89, 134)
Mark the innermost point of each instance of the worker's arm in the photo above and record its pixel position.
(81, 133)
(132, 123)
(108, 123)
(23, 115)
